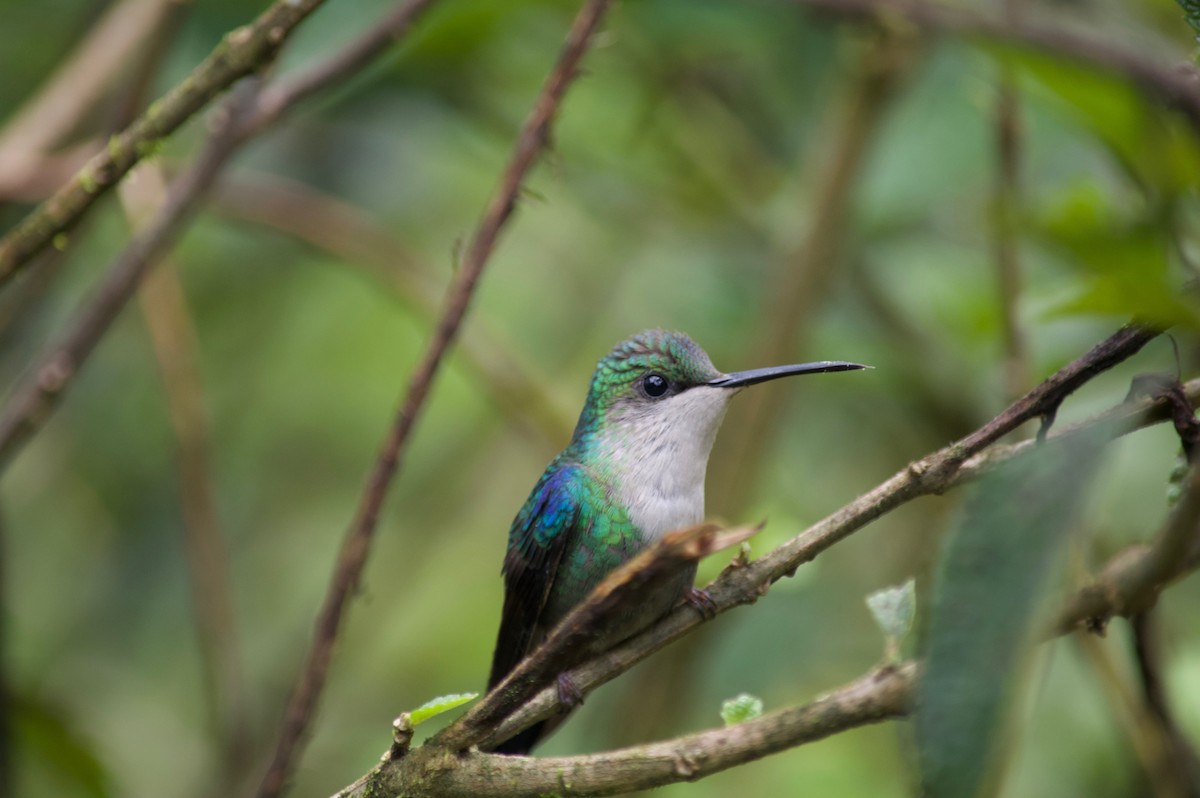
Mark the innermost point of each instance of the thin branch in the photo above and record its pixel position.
(78, 84)
(879, 695)
(352, 557)
(173, 339)
(1132, 580)
(1181, 762)
(360, 241)
(1177, 85)
(34, 399)
(240, 53)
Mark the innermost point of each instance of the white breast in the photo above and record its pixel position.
(659, 454)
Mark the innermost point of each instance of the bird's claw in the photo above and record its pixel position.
(702, 602)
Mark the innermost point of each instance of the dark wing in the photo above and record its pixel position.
(544, 530)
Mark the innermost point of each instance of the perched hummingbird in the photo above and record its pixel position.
(633, 471)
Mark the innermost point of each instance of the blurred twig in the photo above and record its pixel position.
(885, 59)
(35, 398)
(1005, 211)
(1181, 758)
(51, 115)
(1132, 580)
(1177, 85)
(240, 53)
(1147, 738)
(243, 116)
(173, 339)
(358, 238)
(532, 139)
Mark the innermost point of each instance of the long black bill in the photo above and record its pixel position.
(739, 379)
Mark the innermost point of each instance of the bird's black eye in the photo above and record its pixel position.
(655, 385)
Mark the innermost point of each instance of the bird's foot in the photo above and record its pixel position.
(701, 602)
(569, 695)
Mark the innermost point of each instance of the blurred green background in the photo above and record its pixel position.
(783, 187)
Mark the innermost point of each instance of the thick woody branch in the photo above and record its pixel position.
(432, 771)
(240, 53)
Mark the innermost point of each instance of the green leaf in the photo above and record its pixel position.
(740, 709)
(893, 608)
(45, 735)
(990, 577)
(437, 706)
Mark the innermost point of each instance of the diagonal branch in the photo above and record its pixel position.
(33, 400)
(356, 544)
(241, 52)
(1133, 579)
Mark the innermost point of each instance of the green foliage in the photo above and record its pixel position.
(740, 708)
(990, 579)
(436, 706)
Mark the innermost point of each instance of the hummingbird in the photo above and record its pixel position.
(632, 472)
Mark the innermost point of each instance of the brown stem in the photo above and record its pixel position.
(877, 696)
(240, 53)
(352, 557)
(37, 396)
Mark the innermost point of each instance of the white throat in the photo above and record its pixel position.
(658, 455)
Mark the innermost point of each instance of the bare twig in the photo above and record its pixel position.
(879, 695)
(34, 399)
(352, 556)
(1180, 760)
(240, 53)
(1176, 85)
(76, 86)
(1131, 581)
(361, 241)
(173, 339)
(1004, 223)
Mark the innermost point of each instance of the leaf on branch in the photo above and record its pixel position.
(740, 709)
(436, 706)
(990, 578)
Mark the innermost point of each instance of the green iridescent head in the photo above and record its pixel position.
(646, 371)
